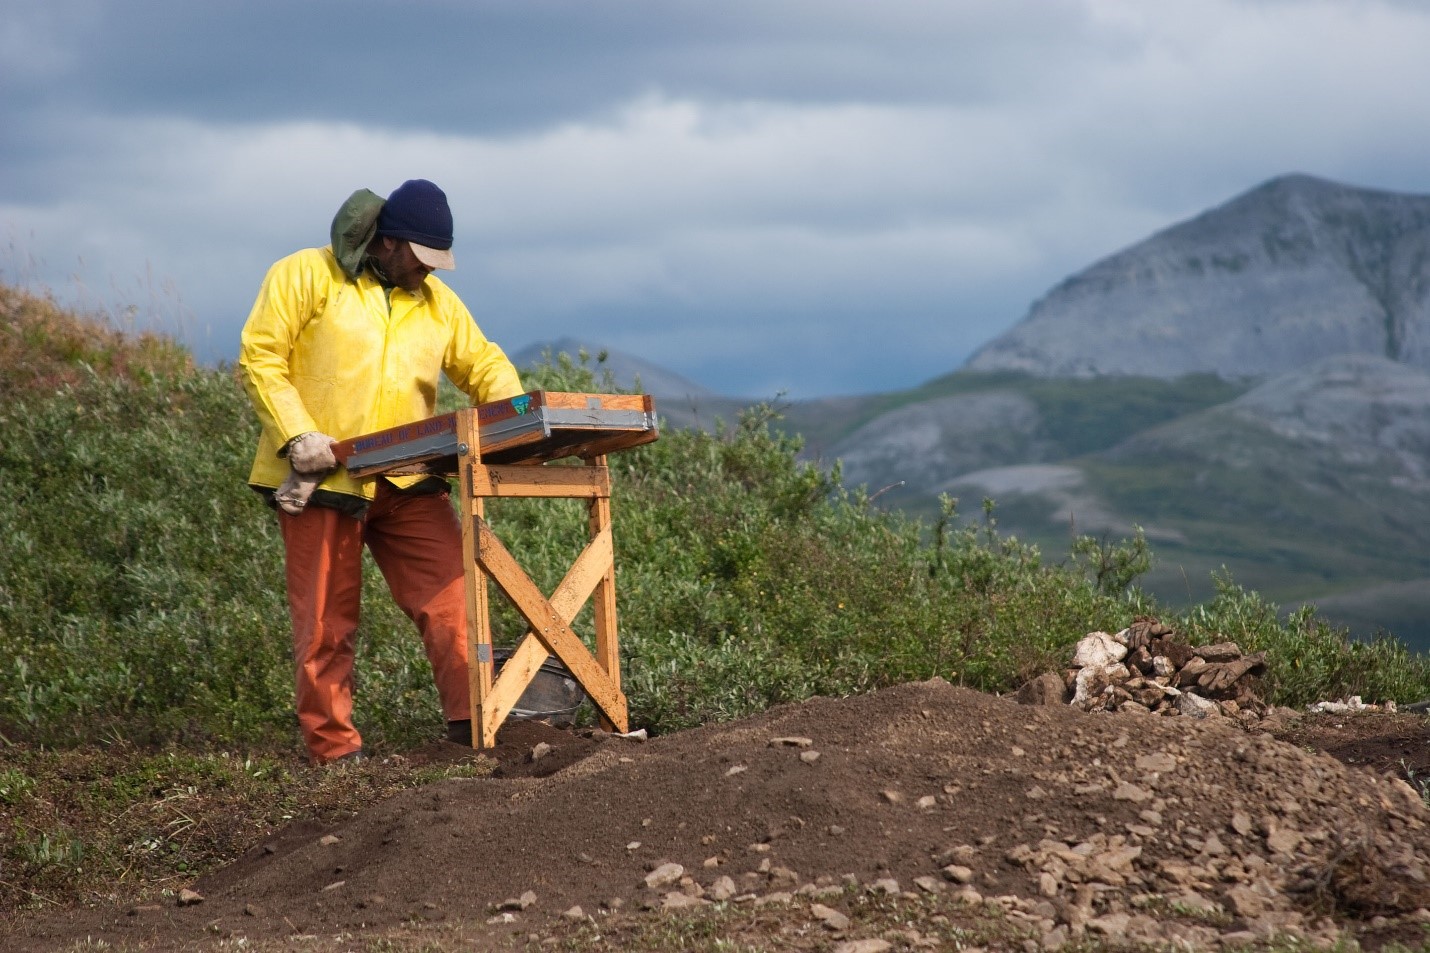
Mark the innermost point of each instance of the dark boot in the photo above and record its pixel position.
(460, 732)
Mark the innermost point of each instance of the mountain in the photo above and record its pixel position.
(1251, 388)
(626, 369)
(680, 401)
(918, 446)
(915, 441)
(1295, 270)
(1349, 418)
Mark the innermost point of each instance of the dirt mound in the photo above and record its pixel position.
(1070, 820)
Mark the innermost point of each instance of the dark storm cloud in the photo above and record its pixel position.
(482, 67)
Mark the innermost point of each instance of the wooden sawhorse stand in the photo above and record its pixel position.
(592, 574)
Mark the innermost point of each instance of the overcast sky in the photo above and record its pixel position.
(801, 196)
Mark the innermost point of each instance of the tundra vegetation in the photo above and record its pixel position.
(144, 642)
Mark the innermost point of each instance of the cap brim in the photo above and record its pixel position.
(434, 257)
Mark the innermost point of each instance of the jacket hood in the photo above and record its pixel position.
(353, 228)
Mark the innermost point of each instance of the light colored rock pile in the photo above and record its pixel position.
(1149, 667)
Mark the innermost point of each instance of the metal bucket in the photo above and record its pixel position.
(553, 696)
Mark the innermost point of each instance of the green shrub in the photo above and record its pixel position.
(1307, 659)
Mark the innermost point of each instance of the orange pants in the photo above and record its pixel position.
(417, 543)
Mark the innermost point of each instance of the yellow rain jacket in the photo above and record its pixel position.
(345, 356)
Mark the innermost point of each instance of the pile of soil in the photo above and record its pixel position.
(1154, 828)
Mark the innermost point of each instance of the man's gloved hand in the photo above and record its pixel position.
(292, 495)
(312, 452)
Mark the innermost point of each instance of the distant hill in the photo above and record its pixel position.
(916, 440)
(680, 401)
(919, 445)
(1295, 270)
(627, 369)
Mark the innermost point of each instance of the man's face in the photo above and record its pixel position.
(394, 257)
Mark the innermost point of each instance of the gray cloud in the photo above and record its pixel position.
(812, 195)
(494, 65)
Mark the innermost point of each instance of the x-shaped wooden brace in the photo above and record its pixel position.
(550, 632)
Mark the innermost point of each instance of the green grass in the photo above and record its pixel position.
(117, 819)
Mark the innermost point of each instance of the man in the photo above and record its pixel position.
(346, 340)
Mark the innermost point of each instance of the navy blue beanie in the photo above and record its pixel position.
(417, 211)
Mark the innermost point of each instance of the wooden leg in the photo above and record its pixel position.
(604, 607)
(479, 628)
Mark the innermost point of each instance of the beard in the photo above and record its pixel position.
(377, 271)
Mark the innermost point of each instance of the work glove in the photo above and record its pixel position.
(312, 452)
(292, 494)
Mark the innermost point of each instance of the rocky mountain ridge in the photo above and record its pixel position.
(1294, 270)
(1358, 414)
